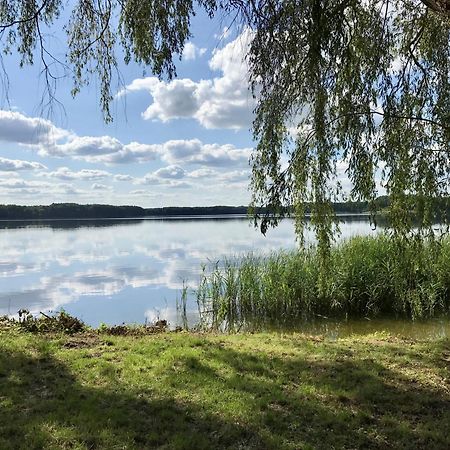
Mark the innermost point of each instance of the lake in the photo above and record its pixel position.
(127, 271)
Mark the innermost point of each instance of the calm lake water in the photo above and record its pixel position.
(116, 271)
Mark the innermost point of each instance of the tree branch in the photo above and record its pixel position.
(441, 7)
(35, 16)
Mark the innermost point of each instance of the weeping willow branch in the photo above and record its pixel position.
(352, 61)
(441, 7)
(32, 18)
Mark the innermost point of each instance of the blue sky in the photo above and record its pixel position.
(184, 142)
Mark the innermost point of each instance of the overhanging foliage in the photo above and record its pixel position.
(360, 84)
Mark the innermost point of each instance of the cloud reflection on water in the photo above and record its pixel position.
(44, 268)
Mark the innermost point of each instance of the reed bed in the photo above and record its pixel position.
(364, 277)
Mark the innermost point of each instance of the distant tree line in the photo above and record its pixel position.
(76, 211)
(68, 211)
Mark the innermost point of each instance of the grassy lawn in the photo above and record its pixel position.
(193, 391)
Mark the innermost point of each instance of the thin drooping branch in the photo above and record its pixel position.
(31, 18)
(107, 16)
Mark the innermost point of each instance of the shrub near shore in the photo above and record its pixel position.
(365, 277)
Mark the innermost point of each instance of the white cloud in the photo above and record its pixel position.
(64, 173)
(16, 127)
(130, 153)
(233, 176)
(52, 141)
(143, 193)
(12, 165)
(196, 152)
(203, 172)
(15, 183)
(20, 186)
(121, 177)
(236, 176)
(102, 149)
(190, 167)
(171, 172)
(139, 84)
(91, 146)
(174, 176)
(222, 102)
(110, 150)
(191, 51)
(169, 176)
(100, 187)
(181, 150)
(225, 34)
(174, 100)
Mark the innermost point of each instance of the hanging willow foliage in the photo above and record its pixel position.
(360, 84)
(364, 83)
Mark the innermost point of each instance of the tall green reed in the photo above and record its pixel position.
(366, 277)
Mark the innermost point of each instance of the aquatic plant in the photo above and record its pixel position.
(365, 277)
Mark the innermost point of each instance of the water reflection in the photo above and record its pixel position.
(116, 271)
(438, 328)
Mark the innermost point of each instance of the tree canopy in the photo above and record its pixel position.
(362, 84)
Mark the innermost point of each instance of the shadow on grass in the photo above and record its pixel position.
(43, 406)
(343, 403)
(293, 403)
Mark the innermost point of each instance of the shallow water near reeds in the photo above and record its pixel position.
(430, 329)
(133, 271)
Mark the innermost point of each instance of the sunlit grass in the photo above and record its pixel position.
(193, 391)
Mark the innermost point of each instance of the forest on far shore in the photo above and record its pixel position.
(98, 211)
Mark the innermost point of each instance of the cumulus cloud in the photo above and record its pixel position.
(203, 172)
(142, 193)
(64, 173)
(109, 150)
(187, 164)
(171, 172)
(130, 153)
(16, 183)
(121, 177)
(52, 141)
(175, 100)
(173, 152)
(194, 151)
(191, 51)
(16, 127)
(236, 176)
(170, 176)
(177, 177)
(101, 149)
(222, 102)
(20, 186)
(100, 187)
(225, 33)
(91, 146)
(13, 165)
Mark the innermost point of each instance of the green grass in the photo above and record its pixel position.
(206, 391)
(364, 277)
